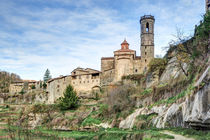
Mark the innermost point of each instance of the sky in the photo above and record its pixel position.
(62, 35)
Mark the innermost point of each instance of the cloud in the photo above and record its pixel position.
(63, 34)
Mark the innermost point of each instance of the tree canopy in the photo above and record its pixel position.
(47, 75)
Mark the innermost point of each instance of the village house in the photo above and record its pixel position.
(26, 85)
(84, 81)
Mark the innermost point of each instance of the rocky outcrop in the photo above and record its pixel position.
(172, 72)
(193, 111)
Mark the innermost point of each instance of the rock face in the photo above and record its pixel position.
(193, 112)
(172, 71)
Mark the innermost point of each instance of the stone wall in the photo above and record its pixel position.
(56, 87)
(85, 83)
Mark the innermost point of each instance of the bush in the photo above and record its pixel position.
(22, 91)
(157, 64)
(33, 87)
(118, 99)
(44, 85)
(70, 99)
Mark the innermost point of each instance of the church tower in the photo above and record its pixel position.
(147, 39)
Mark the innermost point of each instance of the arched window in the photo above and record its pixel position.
(147, 27)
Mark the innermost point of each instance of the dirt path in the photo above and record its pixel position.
(176, 136)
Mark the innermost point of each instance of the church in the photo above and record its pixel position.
(125, 62)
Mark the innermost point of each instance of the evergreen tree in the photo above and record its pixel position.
(70, 99)
(47, 75)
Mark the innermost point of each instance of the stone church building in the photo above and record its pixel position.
(125, 61)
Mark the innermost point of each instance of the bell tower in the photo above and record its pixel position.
(147, 38)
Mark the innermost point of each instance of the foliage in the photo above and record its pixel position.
(103, 110)
(44, 85)
(70, 99)
(135, 77)
(47, 75)
(157, 64)
(22, 91)
(198, 135)
(173, 99)
(33, 87)
(40, 85)
(90, 121)
(146, 91)
(6, 79)
(118, 99)
(203, 30)
(43, 108)
(191, 52)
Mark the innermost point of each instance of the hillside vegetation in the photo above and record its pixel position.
(172, 96)
(5, 79)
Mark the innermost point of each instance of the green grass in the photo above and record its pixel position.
(146, 91)
(188, 132)
(171, 100)
(90, 121)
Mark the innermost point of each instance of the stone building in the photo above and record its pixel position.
(207, 5)
(56, 87)
(25, 85)
(84, 81)
(125, 61)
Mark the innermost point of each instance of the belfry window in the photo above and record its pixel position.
(147, 27)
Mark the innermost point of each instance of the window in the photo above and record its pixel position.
(145, 60)
(145, 53)
(74, 77)
(57, 90)
(147, 27)
(74, 72)
(84, 82)
(136, 70)
(73, 82)
(80, 82)
(58, 86)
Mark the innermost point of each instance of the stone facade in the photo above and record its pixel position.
(56, 87)
(207, 5)
(17, 87)
(84, 81)
(125, 61)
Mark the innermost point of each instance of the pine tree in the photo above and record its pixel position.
(70, 99)
(47, 75)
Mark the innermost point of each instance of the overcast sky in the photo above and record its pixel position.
(64, 34)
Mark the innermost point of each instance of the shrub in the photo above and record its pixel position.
(70, 99)
(157, 64)
(118, 99)
(33, 87)
(22, 91)
(90, 121)
(135, 77)
(44, 85)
